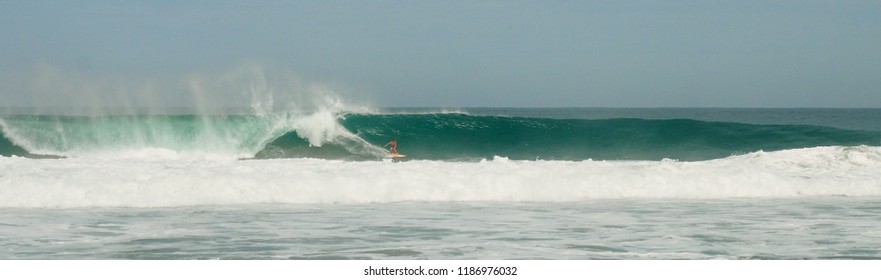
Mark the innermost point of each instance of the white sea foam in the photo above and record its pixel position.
(321, 127)
(97, 182)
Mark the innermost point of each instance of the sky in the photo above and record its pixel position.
(444, 53)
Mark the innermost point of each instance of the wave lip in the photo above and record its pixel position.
(90, 182)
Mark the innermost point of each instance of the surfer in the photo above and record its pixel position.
(394, 146)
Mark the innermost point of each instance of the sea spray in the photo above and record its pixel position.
(232, 114)
(211, 136)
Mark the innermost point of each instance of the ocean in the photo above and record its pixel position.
(476, 183)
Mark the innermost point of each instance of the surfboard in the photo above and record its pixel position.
(397, 155)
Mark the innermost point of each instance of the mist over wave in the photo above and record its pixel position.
(211, 115)
(172, 136)
(90, 182)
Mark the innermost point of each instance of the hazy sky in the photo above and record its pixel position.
(455, 53)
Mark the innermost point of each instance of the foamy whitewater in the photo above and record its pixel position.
(476, 184)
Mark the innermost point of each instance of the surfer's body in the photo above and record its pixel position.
(394, 146)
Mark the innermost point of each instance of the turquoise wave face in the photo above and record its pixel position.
(7, 148)
(460, 136)
(448, 136)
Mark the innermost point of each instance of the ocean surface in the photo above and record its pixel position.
(477, 183)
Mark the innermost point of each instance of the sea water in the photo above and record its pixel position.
(477, 184)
